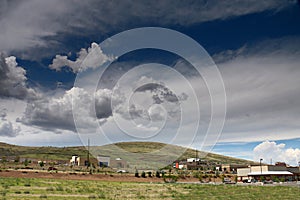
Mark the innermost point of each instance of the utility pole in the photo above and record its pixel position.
(88, 153)
(260, 165)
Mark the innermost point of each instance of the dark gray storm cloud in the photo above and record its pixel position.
(161, 94)
(57, 112)
(13, 79)
(43, 24)
(6, 127)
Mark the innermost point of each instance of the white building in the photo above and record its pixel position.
(268, 172)
(193, 159)
(75, 161)
(104, 161)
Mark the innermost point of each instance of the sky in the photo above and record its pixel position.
(219, 76)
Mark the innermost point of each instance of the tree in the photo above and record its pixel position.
(3, 161)
(200, 178)
(157, 174)
(17, 159)
(42, 164)
(235, 178)
(143, 174)
(26, 162)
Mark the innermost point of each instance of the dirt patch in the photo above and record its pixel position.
(79, 176)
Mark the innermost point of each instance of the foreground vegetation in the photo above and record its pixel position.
(22, 188)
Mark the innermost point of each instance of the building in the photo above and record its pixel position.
(193, 160)
(103, 161)
(232, 168)
(180, 164)
(118, 163)
(268, 172)
(75, 161)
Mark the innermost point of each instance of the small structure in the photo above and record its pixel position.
(193, 159)
(118, 163)
(180, 164)
(75, 160)
(104, 161)
(232, 168)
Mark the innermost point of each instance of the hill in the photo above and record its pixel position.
(140, 155)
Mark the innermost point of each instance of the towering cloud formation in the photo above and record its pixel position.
(13, 79)
(268, 150)
(6, 127)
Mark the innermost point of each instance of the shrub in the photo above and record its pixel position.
(200, 178)
(50, 189)
(143, 174)
(222, 177)
(276, 179)
(196, 174)
(59, 188)
(43, 196)
(170, 179)
(3, 193)
(157, 174)
(149, 174)
(101, 196)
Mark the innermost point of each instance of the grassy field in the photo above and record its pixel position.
(21, 188)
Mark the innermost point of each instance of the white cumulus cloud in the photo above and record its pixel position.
(91, 58)
(268, 150)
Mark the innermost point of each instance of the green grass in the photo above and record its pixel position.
(14, 188)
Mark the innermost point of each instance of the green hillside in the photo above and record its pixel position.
(140, 155)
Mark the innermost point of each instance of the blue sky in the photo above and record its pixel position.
(45, 46)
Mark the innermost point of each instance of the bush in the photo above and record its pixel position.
(170, 179)
(59, 188)
(101, 196)
(50, 189)
(157, 174)
(143, 174)
(43, 196)
(200, 178)
(196, 174)
(3, 193)
(149, 174)
(136, 174)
